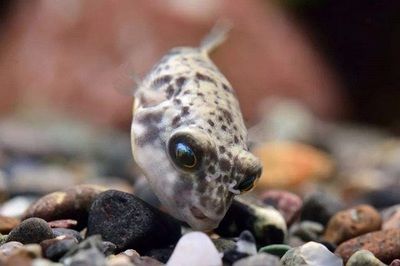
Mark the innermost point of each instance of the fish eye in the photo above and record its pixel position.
(184, 152)
(248, 183)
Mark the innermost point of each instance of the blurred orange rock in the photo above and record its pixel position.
(288, 164)
(74, 55)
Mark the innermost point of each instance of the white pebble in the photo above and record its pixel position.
(195, 249)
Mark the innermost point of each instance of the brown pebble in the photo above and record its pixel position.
(351, 223)
(66, 223)
(7, 224)
(385, 245)
(72, 203)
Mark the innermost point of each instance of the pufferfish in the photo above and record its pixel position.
(188, 136)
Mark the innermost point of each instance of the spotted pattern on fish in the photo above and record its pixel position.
(185, 93)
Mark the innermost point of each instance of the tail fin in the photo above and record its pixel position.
(216, 37)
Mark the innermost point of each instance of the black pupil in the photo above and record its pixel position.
(185, 155)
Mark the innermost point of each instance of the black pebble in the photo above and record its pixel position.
(32, 230)
(54, 249)
(129, 222)
(320, 207)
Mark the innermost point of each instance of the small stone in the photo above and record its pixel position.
(195, 249)
(73, 203)
(246, 243)
(68, 233)
(24, 255)
(119, 260)
(32, 230)
(288, 204)
(262, 259)
(320, 207)
(66, 223)
(310, 254)
(264, 222)
(291, 164)
(353, 222)
(391, 217)
(385, 245)
(396, 262)
(277, 250)
(307, 230)
(7, 249)
(129, 222)
(362, 258)
(54, 249)
(15, 207)
(88, 252)
(7, 224)
(223, 244)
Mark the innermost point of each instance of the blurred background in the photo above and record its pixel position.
(305, 71)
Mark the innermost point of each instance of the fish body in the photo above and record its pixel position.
(189, 138)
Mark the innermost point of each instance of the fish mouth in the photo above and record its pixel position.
(198, 214)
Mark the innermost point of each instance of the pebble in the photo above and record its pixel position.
(88, 252)
(24, 255)
(8, 249)
(320, 207)
(195, 249)
(265, 223)
(223, 244)
(129, 222)
(310, 254)
(396, 262)
(32, 230)
(7, 224)
(68, 233)
(73, 203)
(66, 223)
(351, 223)
(277, 250)
(307, 230)
(44, 262)
(287, 203)
(55, 248)
(362, 258)
(119, 260)
(385, 245)
(15, 207)
(391, 217)
(291, 164)
(261, 259)
(246, 243)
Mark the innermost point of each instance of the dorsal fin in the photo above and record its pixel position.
(216, 37)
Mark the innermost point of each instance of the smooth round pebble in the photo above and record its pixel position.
(385, 245)
(223, 244)
(277, 250)
(320, 207)
(353, 222)
(32, 230)
(7, 224)
(307, 230)
(310, 254)
(73, 203)
(195, 249)
(261, 259)
(287, 203)
(8, 248)
(129, 222)
(363, 258)
(396, 262)
(246, 243)
(55, 248)
(265, 223)
(66, 223)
